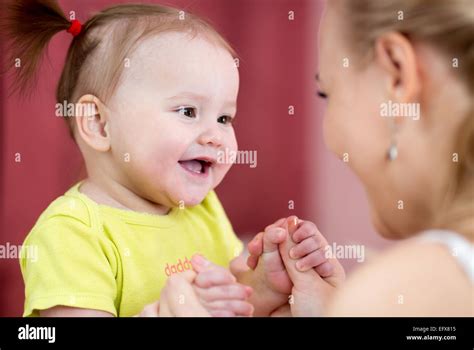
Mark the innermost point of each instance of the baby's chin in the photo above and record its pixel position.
(190, 198)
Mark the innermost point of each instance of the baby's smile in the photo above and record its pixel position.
(199, 166)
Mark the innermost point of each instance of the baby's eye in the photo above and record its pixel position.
(225, 119)
(189, 112)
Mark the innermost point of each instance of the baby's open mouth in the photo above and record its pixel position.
(197, 166)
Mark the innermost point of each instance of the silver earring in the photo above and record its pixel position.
(392, 152)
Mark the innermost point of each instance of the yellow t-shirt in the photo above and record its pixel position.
(98, 257)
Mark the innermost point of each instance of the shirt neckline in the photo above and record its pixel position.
(130, 216)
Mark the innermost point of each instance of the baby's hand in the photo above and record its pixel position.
(265, 259)
(218, 290)
(308, 251)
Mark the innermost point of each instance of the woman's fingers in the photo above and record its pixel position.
(180, 298)
(312, 260)
(326, 269)
(222, 313)
(304, 248)
(305, 229)
(210, 274)
(214, 276)
(164, 310)
(235, 291)
(151, 310)
(307, 237)
(238, 307)
(307, 278)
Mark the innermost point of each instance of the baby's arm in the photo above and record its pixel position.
(214, 286)
(268, 279)
(66, 311)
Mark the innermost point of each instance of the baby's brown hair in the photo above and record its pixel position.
(97, 54)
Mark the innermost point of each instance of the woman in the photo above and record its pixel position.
(399, 79)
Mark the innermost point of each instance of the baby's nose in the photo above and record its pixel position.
(211, 137)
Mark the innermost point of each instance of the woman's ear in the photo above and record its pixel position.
(396, 55)
(92, 123)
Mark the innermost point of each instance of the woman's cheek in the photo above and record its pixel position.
(332, 134)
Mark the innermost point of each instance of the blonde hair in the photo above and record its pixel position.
(449, 27)
(96, 56)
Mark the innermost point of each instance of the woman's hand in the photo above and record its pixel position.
(178, 299)
(311, 290)
(209, 290)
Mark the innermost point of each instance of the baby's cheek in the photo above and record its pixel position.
(227, 155)
(220, 171)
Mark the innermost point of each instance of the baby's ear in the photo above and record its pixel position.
(92, 123)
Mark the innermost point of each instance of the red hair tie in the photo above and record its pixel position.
(75, 27)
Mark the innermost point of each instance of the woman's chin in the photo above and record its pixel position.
(381, 226)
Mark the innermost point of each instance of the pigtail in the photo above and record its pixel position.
(29, 25)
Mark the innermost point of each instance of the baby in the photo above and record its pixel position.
(162, 85)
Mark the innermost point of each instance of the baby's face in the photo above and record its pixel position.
(171, 115)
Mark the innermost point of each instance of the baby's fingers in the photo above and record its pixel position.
(255, 246)
(277, 223)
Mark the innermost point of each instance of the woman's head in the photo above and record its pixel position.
(399, 75)
(163, 84)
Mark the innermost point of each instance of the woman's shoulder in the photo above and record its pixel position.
(414, 278)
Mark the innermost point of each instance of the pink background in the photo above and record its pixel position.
(278, 62)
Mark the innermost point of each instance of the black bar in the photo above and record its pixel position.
(329, 333)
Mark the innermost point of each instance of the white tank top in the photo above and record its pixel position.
(460, 248)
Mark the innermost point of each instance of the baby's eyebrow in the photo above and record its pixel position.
(190, 95)
(200, 98)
